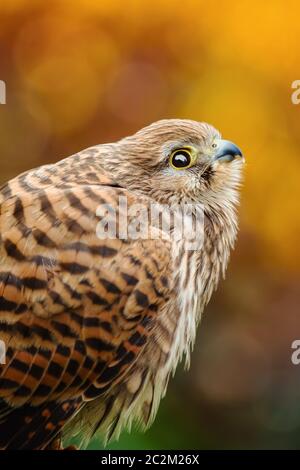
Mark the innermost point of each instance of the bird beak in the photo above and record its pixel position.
(227, 151)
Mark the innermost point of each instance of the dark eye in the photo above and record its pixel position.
(181, 159)
(214, 146)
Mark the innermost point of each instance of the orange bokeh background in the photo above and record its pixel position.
(84, 72)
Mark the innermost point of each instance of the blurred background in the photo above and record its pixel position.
(84, 72)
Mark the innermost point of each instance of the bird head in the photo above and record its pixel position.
(174, 160)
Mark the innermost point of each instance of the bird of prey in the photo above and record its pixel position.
(93, 327)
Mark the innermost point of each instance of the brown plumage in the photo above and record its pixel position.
(94, 327)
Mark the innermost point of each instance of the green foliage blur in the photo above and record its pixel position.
(83, 72)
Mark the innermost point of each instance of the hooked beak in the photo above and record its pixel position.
(227, 151)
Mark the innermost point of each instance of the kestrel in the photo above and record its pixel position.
(94, 326)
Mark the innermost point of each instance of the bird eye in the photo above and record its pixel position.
(181, 159)
(214, 146)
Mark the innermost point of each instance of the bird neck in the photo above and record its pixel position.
(198, 271)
